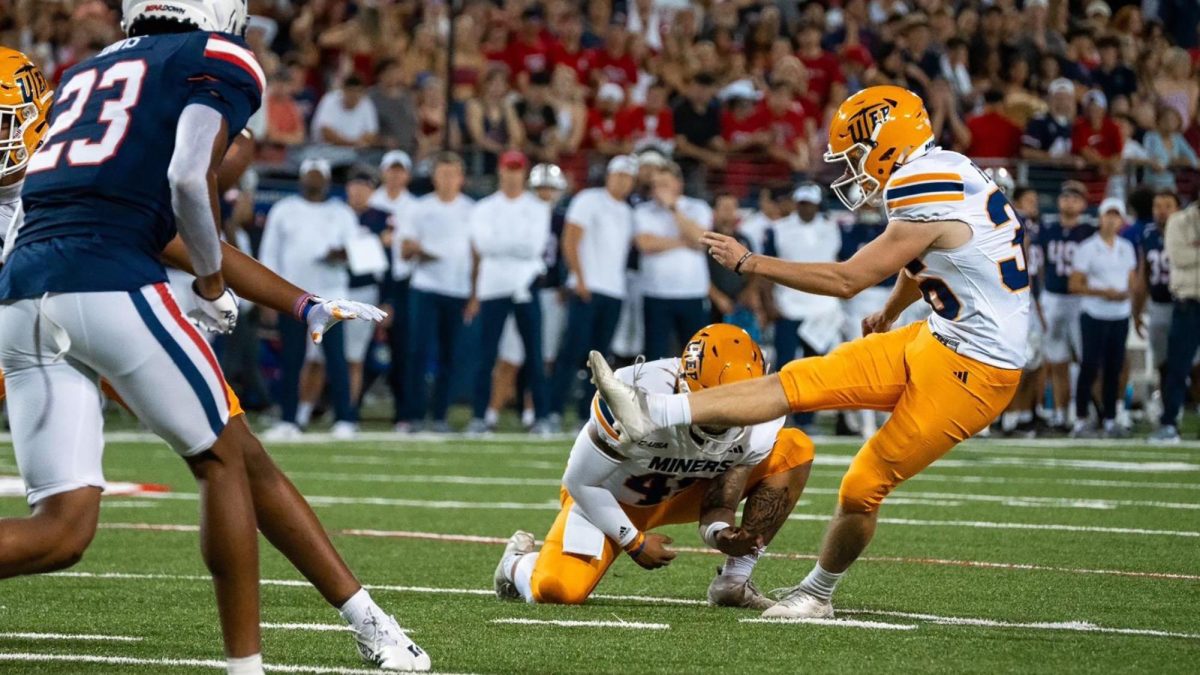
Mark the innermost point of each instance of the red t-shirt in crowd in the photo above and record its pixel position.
(1105, 140)
(524, 57)
(735, 131)
(823, 71)
(619, 69)
(645, 126)
(784, 127)
(600, 128)
(993, 136)
(578, 61)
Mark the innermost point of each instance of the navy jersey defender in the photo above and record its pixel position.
(1158, 269)
(97, 197)
(1058, 246)
(1062, 341)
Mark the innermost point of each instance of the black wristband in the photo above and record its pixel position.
(742, 261)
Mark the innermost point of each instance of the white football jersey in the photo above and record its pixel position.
(669, 460)
(979, 291)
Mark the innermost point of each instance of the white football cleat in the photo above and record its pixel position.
(628, 404)
(382, 643)
(798, 604)
(344, 431)
(282, 432)
(726, 592)
(520, 543)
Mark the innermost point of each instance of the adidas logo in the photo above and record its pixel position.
(961, 375)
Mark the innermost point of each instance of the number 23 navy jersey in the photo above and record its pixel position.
(97, 199)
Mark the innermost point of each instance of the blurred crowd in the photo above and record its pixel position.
(637, 124)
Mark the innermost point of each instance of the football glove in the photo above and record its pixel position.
(218, 315)
(322, 315)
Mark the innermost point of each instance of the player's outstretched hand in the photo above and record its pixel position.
(724, 249)
(876, 323)
(653, 553)
(218, 315)
(326, 313)
(735, 541)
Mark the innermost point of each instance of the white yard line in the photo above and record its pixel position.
(564, 623)
(932, 475)
(313, 627)
(989, 525)
(836, 623)
(418, 478)
(1078, 626)
(69, 636)
(175, 663)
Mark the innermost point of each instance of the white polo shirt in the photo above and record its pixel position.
(607, 225)
(677, 273)
(443, 229)
(817, 241)
(510, 236)
(353, 124)
(401, 210)
(1107, 267)
(298, 236)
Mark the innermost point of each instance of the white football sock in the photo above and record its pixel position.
(304, 413)
(1025, 417)
(522, 575)
(246, 665)
(1058, 417)
(1008, 421)
(358, 608)
(668, 410)
(740, 567)
(819, 583)
(528, 417)
(491, 416)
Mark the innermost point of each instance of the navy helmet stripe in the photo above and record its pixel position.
(924, 188)
(190, 372)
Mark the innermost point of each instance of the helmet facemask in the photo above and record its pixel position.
(15, 122)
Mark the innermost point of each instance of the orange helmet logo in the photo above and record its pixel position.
(25, 99)
(874, 132)
(720, 354)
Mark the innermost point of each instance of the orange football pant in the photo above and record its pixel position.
(568, 579)
(937, 398)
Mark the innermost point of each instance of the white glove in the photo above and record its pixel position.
(216, 316)
(324, 314)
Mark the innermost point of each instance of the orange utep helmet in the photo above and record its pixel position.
(721, 354)
(875, 131)
(25, 99)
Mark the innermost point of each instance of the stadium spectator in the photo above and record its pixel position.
(1183, 231)
(652, 124)
(1167, 151)
(569, 51)
(509, 230)
(1047, 136)
(539, 122)
(735, 298)
(396, 109)
(492, 122)
(1112, 76)
(304, 241)
(1103, 273)
(807, 324)
(674, 267)
(1095, 136)
(595, 247)
(570, 112)
(1176, 87)
(440, 248)
(788, 128)
(346, 116)
(394, 198)
(285, 120)
(530, 48)
(699, 144)
(608, 128)
(825, 78)
(992, 135)
(613, 63)
(365, 287)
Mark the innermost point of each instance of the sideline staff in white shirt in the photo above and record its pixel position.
(393, 197)
(440, 245)
(674, 269)
(304, 241)
(1104, 271)
(595, 247)
(509, 231)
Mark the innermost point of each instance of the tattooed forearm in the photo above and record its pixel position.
(766, 510)
(723, 495)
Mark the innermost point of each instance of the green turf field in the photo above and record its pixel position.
(1002, 557)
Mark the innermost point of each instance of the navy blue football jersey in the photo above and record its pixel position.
(97, 199)
(1158, 269)
(376, 221)
(1058, 246)
(556, 267)
(857, 235)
